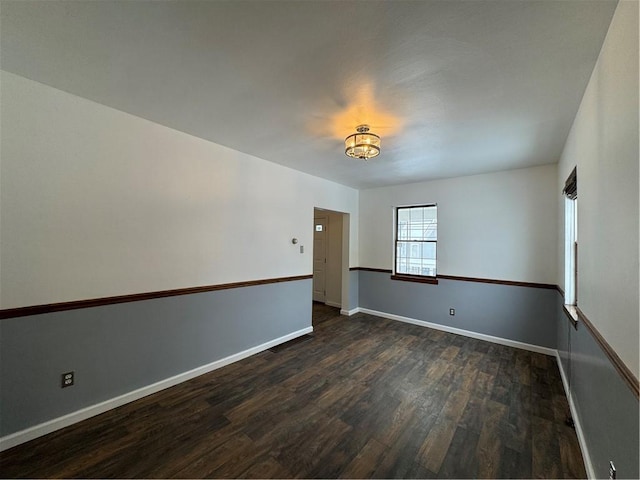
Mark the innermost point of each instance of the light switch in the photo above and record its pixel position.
(301, 248)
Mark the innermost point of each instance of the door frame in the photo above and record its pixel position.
(344, 267)
(317, 218)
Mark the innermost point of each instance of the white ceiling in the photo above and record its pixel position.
(452, 87)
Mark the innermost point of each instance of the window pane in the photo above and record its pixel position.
(403, 224)
(417, 223)
(416, 258)
(402, 258)
(428, 266)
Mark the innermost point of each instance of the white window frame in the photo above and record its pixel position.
(570, 250)
(397, 240)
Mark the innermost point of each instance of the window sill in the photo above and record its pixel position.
(572, 314)
(415, 278)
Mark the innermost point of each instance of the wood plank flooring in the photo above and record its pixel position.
(364, 397)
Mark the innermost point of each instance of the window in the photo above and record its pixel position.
(416, 240)
(571, 239)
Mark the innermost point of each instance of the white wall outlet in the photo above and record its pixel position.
(452, 311)
(67, 379)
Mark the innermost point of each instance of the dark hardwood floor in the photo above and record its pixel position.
(363, 397)
(323, 313)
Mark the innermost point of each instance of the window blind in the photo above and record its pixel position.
(571, 186)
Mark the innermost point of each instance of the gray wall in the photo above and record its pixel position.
(354, 289)
(565, 330)
(523, 314)
(115, 349)
(606, 407)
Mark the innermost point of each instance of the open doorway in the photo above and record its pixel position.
(330, 262)
(320, 253)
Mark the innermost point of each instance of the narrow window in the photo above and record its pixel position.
(571, 239)
(416, 240)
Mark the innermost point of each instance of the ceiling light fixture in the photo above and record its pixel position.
(362, 145)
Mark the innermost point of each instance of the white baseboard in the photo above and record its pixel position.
(45, 428)
(466, 333)
(348, 313)
(588, 465)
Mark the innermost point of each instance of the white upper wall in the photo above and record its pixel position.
(96, 202)
(499, 225)
(603, 144)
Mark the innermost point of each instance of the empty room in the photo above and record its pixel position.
(319, 239)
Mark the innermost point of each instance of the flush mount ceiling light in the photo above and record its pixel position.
(362, 145)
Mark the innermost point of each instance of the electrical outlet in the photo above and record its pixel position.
(301, 248)
(67, 379)
(452, 311)
(612, 471)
